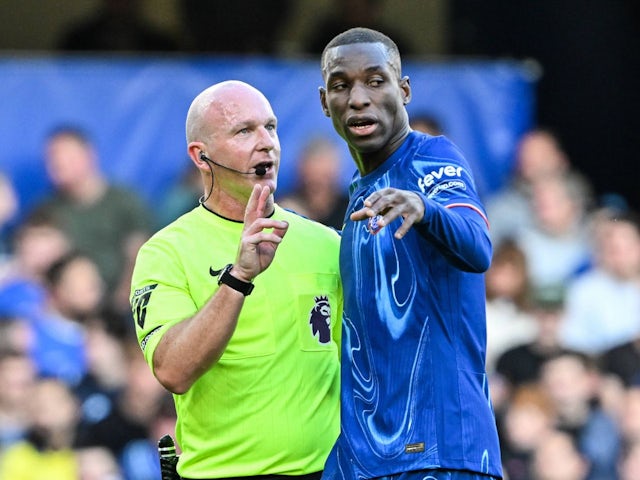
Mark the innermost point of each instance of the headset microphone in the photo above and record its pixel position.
(260, 170)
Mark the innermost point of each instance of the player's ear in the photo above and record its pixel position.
(323, 101)
(405, 86)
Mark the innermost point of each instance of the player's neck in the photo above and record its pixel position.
(367, 162)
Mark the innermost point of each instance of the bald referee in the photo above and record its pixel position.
(237, 306)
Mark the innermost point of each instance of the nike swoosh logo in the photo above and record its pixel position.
(214, 273)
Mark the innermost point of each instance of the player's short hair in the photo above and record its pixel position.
(364, 35)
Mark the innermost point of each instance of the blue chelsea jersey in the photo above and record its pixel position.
(414, 387)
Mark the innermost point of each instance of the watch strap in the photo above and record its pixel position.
(225, 277)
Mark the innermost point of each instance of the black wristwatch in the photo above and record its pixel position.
(225, 277)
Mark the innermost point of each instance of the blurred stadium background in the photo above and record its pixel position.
(579, 57)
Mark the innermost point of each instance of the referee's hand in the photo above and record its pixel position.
(260, 237)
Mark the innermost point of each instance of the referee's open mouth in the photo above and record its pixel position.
(263, 168)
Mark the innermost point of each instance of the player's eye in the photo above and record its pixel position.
(338, 86)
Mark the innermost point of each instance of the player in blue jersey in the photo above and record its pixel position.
(414, 395)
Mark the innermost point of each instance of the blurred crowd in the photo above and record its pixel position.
(563, 321)
(78, 400)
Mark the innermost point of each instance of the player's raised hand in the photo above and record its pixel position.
(389, 204)
(260, 236)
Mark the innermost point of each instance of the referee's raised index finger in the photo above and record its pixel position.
(254, 203)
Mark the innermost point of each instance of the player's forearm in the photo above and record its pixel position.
(191, 347)
(460, 233)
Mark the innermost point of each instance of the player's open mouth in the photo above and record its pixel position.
(361, 126)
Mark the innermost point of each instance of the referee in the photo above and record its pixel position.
(237, 306)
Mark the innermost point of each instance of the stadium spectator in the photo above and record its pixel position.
(603, 304)
(557, 245)
(56, 343)
(106, 376)
(131, 414)
(17, 376)
(140, 458)
(509, 318)
(97, 463)
(319, 194)
(75, 288)
(104, 221)
(529, 417)
(557, 457)
(572, 381)
(629, 466)
(629, 415)
(38, 242)
(538, 156)
(521, 363)
(48, 449)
